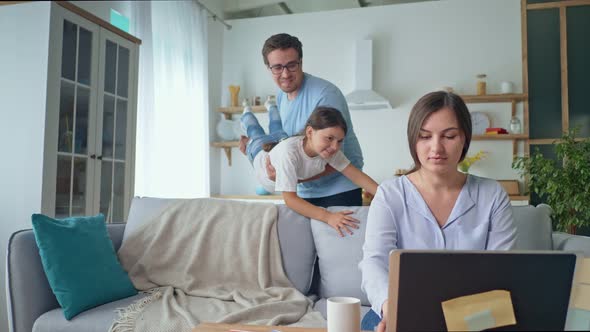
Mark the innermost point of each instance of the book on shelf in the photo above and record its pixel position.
(496, 131)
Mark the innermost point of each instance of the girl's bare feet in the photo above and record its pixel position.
(243, 141)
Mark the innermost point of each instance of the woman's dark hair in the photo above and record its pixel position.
(321, 118)
(430, 103)
(281, 41)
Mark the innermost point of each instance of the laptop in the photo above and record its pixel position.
(538, 283)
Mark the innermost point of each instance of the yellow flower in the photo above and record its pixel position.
(470, 160)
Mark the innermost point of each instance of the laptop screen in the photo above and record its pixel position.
(539, 285)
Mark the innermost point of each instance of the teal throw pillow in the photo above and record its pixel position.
(80, 262)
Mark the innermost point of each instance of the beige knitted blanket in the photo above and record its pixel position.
(210, 260)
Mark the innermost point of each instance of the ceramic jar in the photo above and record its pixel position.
(481, 84)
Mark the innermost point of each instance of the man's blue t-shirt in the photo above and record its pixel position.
(315, 92)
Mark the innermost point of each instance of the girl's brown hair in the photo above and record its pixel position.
(322, 117)
(430, 103)
(325, 117)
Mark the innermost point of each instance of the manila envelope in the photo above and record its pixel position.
(584, 273)
(581, 297)
(479, 311)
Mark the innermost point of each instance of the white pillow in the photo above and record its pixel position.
(338, 257)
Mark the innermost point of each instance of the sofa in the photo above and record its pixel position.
(317, 262)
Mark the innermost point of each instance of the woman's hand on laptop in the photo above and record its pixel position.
(382, 323)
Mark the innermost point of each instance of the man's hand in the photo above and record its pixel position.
(271, 172)
(327, 170)
(382, 324)
(243, 142)
(342, 220)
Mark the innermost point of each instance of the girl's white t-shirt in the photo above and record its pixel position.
(292, 163)
(259, 164)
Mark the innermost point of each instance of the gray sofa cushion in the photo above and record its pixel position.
(338, 257)
(569, 242)
(533, 227)
(28, 292)
(297, 247)
(295, 238)
(97, 319)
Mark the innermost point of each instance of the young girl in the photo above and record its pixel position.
(301, 157)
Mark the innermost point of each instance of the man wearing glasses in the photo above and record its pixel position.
(300, 93)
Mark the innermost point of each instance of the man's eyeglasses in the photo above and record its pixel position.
(291, 67)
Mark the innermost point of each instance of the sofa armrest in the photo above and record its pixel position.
(28, 294)
(569, 242)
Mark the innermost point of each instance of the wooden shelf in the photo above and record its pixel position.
(513, 99)
(226, 144)
(499, 137)
(497, 98)
(519, 197)
(228, 111)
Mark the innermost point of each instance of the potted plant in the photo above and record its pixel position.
(564, 183)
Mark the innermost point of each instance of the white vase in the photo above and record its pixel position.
(225, 129)
(238, 131)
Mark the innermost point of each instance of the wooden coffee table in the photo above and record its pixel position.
(216, 327)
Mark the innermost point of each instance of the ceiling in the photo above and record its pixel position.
(236, 9)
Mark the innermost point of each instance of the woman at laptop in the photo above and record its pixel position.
(433, 206)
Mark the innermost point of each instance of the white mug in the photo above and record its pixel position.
(507, 87)
(344, 314)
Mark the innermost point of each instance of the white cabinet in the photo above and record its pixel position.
(89, 115)
(90, 121)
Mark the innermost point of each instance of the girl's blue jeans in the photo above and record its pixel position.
(370, 321)
(256, 133)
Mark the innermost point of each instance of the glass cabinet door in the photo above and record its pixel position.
(114, 130)
(72, 188)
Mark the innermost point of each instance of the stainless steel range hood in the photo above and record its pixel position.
(363, 97)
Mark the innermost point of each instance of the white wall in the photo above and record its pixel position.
(23, 85)
(24, 32)
(215, 48)
(416, 48)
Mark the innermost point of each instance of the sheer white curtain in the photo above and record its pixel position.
(172, 120)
